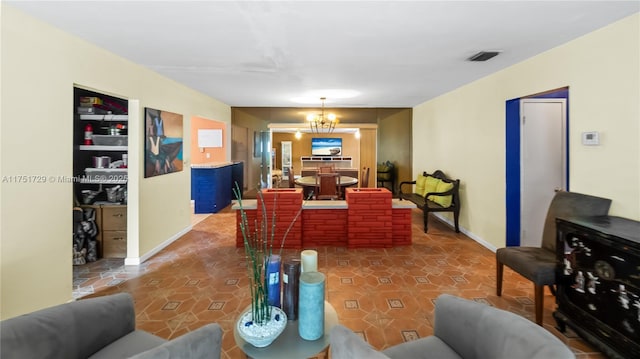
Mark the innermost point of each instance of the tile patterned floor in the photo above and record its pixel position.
(384, 295)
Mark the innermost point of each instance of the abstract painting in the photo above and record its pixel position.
(163, 142)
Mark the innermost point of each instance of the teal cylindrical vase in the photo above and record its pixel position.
(311, 306)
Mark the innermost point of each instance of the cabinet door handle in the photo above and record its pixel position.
(118, 238)
(118, 215)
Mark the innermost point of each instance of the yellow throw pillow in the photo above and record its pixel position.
(431, 185)
(420, 181)
(444, 201)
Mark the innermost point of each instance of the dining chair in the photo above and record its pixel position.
(291, 177)
(327, 186)
(538, 264)
(364, 177)
(327, 168)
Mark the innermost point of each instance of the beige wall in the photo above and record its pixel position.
(40, 66)
(463, 132)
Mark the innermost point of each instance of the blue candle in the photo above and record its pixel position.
(311, 305)
(273, 280)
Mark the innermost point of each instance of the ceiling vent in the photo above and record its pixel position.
(483, 56)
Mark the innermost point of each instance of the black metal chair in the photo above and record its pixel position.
(539, 264)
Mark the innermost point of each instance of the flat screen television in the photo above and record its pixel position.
(326, 146)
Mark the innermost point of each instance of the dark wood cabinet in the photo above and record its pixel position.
(599, 282)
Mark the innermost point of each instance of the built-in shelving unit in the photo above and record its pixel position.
(103, 189)
(337, 161)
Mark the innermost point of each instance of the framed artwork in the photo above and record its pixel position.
(163, 142)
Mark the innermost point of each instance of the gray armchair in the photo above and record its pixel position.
(538, 264)
(97, 328)
(462, 329)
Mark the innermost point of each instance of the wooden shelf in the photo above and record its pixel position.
(102, 148)
(99, 181)
(104, 117)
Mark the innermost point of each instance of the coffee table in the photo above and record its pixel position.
(289, 344)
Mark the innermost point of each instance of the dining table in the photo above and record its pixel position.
(309, 182)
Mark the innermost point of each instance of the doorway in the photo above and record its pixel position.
(542, 158)
(240, 150)
(537, 162)
(267, 159)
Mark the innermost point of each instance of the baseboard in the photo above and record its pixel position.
(136, 261)
(467, 233)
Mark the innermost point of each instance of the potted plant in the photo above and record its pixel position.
(261, 324)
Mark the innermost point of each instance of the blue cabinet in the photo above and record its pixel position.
(211, 188)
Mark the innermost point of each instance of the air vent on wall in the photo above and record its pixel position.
(483, 56)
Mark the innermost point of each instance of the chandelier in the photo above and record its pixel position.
(322, 123)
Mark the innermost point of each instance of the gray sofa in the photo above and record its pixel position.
(462, 329)
(97, 328)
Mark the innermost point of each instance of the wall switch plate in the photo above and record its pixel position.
(590, 138)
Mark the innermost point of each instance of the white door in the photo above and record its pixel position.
(543, 163)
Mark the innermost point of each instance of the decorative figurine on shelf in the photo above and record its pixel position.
(623, 297)
(636, 303)
(567, 267)
(579, 284)
(591, 283)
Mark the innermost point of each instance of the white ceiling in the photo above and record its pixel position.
(263, 54)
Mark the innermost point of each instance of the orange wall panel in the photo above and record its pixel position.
(215, 154)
